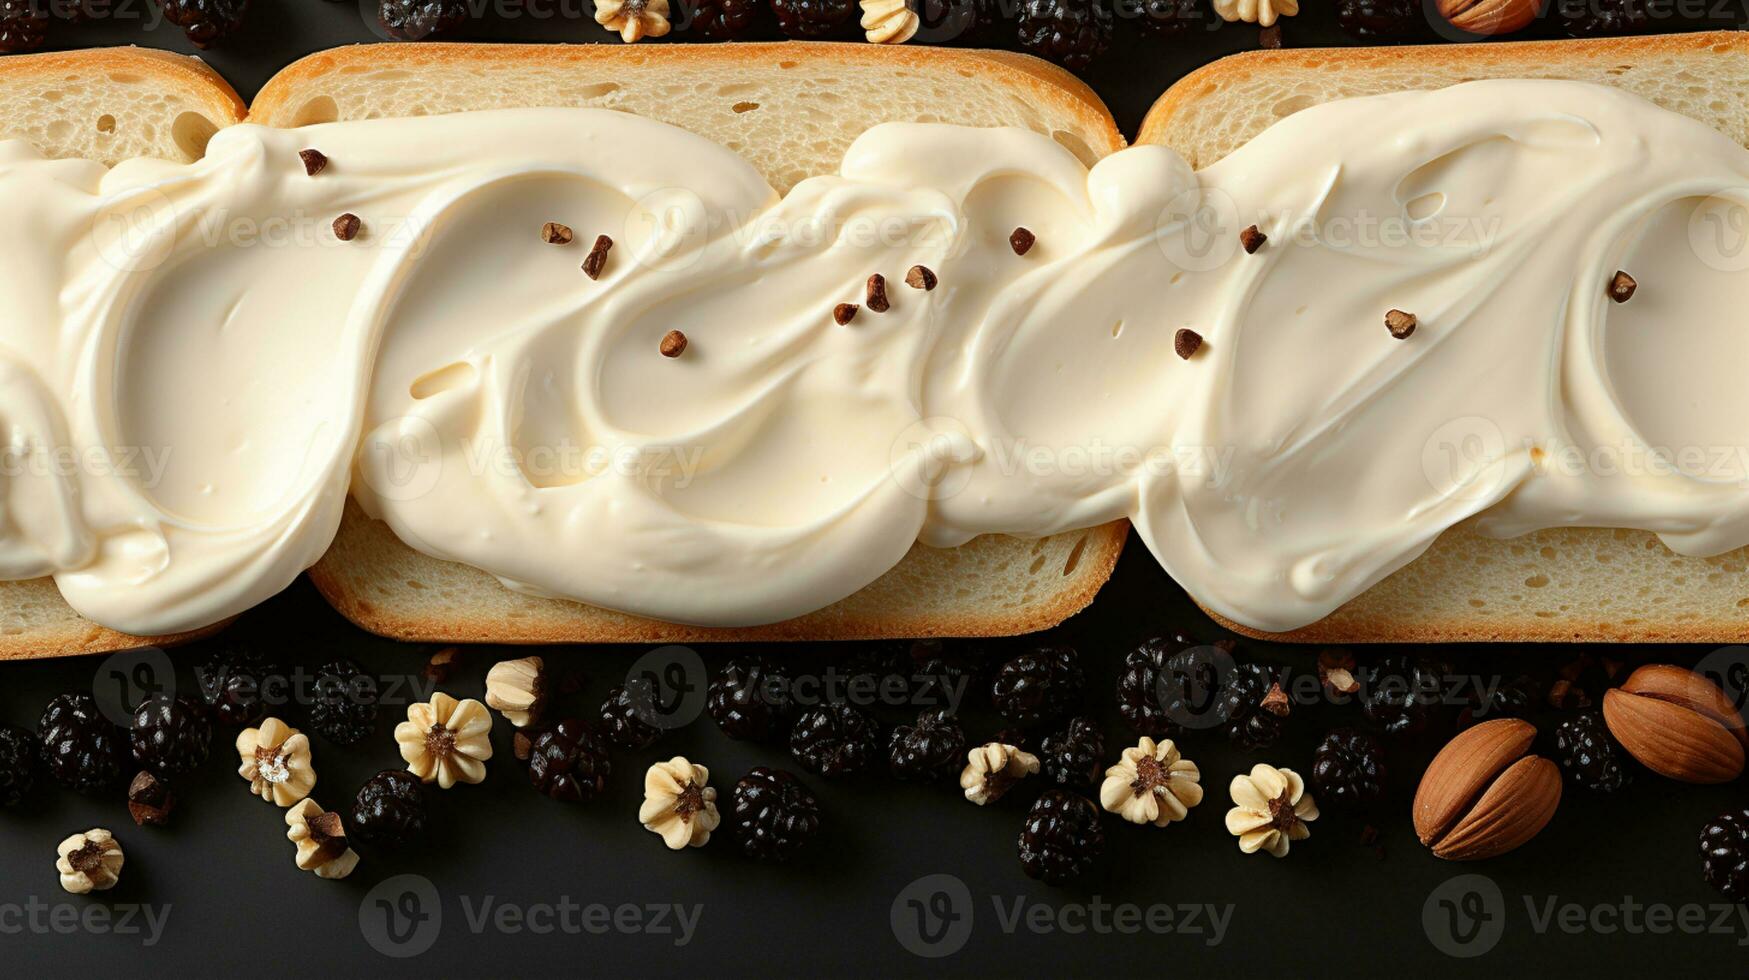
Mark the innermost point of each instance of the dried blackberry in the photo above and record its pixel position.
(82, 750)
(773, 814)
(1348, 770)
(1075, 756)
(24, 25)
(1724, 854)
(1039, 686)
(1377, 19)
(1583, 748)
(835, 740)
(343, 703)
(1517, 698)
(206, 22)
(932, 749)
(728, 20)
(570, 762)
(1254, 707)
(171, 736)
(623, 719)
(389, 813)
(236, 685)
(752, 698)
(1405, 695)
(1602, 18)
(1069, 32)
(18, 753)
(416, 20)
(1168, 18)
(814, 18)
(1061, 837)
(1141, 685)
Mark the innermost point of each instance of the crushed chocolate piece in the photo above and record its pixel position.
(1252, 239)
(673, 344)
(438, 667)
(843, 313)
(315, 161)
(1400, 324)
(877, 294)
(149, 800)
(1021, 240)
(1186, 342)
(596, 260)
(554, 233)
(1621, 288)
(920, 278)
(346, 227)
(1269, 38)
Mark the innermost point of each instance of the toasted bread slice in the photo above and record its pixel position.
(1572, 584)
(106, 105)
(791, 110)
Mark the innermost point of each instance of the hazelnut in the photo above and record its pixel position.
(1152, 783)
(518, 689)
(679, 803)
(992, 769)
(321, 840)
(1270, 810)
(276, 761)
(446, 741)
(89, 862)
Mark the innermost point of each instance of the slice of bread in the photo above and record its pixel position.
(1568, 584)
(791, 110)
(105, 105)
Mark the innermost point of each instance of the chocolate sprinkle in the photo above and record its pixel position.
(554, 233)
(843, 313)
(315, 161)
(673, 344)
(1621, 288)
(877, 294)
(1021, 241)
(1186, 342)
(346, 227)
(1252, 240)
(1400, 324)
(596, 260)
(920, 278)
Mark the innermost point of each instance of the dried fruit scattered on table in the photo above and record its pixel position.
(932, 749)
(322, 845)
(679, 803)
(1589, 756)
(1061, 837)
(1677, 724)
(1516, 698)
(1151, 783)
(343, 703)
(1602, 18)
(446, 741)
(389, 812)
(1483, 796)
(1142, 683)
(1381, 19)
(19, 749)
(1255, 707)
(1489, 17)
(276, 762)
(89, 862)
(206, 22)
(773, 813)
(1073, 757)
(752, 698)
(24, 25)
(1169, 18)
(570, 762)
(170, 736)
(1724, 854)
(83, 750)
(416, 20)
(814, 18)
(1405, 695)
(237, 683)
(626, 717)
(836, 740)
(149, 800)
(1348, 770)
(1270, 810)
(992, 770)
(728, 20)
(1039, 686)
(517, 689)
(1071, 33)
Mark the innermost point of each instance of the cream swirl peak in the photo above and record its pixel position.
(196, 368)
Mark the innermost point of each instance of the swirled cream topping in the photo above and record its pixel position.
(195, 368)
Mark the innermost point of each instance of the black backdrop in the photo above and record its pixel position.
(217, 891)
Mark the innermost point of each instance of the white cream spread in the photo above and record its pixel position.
(194, 371)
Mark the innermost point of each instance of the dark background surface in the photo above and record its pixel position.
(222, 880)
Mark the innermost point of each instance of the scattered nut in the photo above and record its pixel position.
(877, 294)
(276, 761)
(1336, 671)
(1482, 796)
(149, 800)
(1270, 810)
(1400, 324)
(315, 161)
(1151, 783)
(321, 840)
(1622, 286)
(346, 227)
(679, 803)
(1263, 13)
(920, 277)
(596, 260)
(889, 21)
(438, 668)
(673, 344)
(1185, 343)
(446, 741)
(1252, 239)
(89, 862)
(633, 19)
(1677, 724)
(518, 689)
(843, 313)
(992, 769)
(554, 233)
(1489, 16)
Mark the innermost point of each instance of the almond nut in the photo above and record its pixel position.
(1489, 16)
(1652, 717)
(1483, 796)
